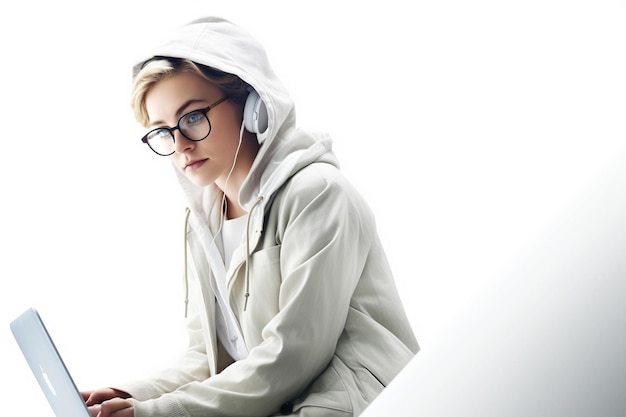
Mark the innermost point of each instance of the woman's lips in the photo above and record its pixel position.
(193, 165)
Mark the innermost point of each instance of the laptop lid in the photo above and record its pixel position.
(47, 366)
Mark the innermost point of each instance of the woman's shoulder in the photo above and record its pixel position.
(318, 178)
(321, 184)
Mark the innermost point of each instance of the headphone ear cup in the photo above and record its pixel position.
(255, 118)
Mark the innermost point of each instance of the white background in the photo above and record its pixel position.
(468, 126)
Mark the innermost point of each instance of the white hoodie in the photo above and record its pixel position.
(309, 289)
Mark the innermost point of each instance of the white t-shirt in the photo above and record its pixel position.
(232, 236)
(227, 330)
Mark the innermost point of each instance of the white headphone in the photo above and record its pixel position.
(255, 118)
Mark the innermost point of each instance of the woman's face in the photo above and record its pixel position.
(207, 161)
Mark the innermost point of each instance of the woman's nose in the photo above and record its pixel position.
(181, 143)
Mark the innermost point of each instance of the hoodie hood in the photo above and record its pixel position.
(217, 43)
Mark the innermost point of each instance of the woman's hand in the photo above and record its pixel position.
(102, 394)
(108, 402)
(115, 407)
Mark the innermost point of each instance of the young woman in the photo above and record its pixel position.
(293, 309)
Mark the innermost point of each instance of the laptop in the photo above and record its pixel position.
(47, 366)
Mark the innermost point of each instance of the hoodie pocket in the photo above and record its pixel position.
(327, 396)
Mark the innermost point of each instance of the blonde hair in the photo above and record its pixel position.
(159, 68)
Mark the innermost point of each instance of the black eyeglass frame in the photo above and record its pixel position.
(171, 130)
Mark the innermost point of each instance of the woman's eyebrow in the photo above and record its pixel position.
(179, 111)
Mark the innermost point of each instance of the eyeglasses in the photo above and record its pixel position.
(194, 125)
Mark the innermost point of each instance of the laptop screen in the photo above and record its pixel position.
(47, 366)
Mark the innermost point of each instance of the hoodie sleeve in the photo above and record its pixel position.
(324, 231)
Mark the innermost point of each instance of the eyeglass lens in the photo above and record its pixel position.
(194, 125)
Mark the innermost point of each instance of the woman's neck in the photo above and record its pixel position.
(233, 182)
(232, 209)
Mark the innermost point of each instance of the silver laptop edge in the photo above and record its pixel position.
(47, 365)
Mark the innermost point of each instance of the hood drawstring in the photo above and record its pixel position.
(247, 294)
(185, 258)
(185, 271)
